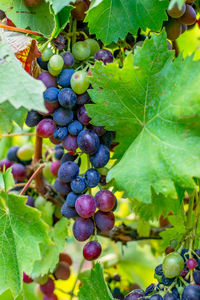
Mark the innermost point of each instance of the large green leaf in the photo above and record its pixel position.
(61, 20)
(36, 18)
(21, 232)
(148, 102)
(111, 20)
(58, 5)
(94, 286)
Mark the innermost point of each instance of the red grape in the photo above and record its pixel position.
(5, 163)
(92, 250)
(70, 143)
(105, 221)
(83, 229)
(62, 271)
(189, 16)
(191, 264)
(48, 287)
(105, 200)
(19, 172)
(45, 128)
(66, 258)
(55, 167)
(85, 206)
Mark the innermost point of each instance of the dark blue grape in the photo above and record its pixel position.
(167, 281)
(88, 141)
(62, 116)
(156, 297)
(92, 178)
(149, 289)
(68, 171)
(158, 270)
(64, 77)
(104, 55)
(68, 212)
(183, 252)
(175, 292)
(60, 133)
(33, 118)
(51, 94)
(78, 185)
(30, 201)
(116, 292)
(12, 154)
(59, 147)
(197, 251)
(68, 157)
(83, 229)
(71, 199)
(191, 292)
(134, 295)
(67, 98)
(83, 99)
(196, 276)
(170, 296)
(75, 127)
(101, 157)
(107, 138)
(43, 64)
(68, 59)
(58, 154)
(62, 187)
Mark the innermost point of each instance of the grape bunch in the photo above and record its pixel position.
(179, 19)
(46, 284)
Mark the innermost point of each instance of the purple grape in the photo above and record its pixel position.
(88, 141)
(170, 296)
(92, 250)
(51, 94)
(75, 127)
(70, 143)
(55, 165)
(134, 295)
(82, 115)
(60, 42)
(45, 128)
(47, 79)
(83, 229)
(68, 59)
(62, 116)
(64, 77)
(149, 289)
(12, 154)
(30, 201)
(105, 200)
(5, 163)
(43, 64)
(58, 154)
(68, 157)
(156, 297)
(78, 185)
(83, 98)
(33, 118)
(196, 276)
(101, 157)
(105, 221)
(60, 133)
(51, 107)
(92, 178)
(85, 206)
(68, 171)
(104, 55)
(71, 199)
(68, 212)
(191, 292)
(48, 287)
(99, 130)
(19, 172)
(62, 187)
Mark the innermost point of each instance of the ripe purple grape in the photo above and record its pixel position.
(83, 98)
(70, 143)
(92, 250)
(75, 127)
(62, 116)
(68, 59)
(196, 276)
(105, 200)
(99, 130)
(55, 167)
(47, 79)
(51, 94)
(48, 287)
(82, 115)
(71, 199)
(64, 77)
(85, 206)
(62, 271)
(88, 141)
(156, 297)
(134, 295)
(33, 118)
(5, 163)
(19, 172)
(191, 292)
(105, 221)
(78, 185)
(12, 154)
(60, 133)
(68, 212)
(191, 264)
(104, 55)
(68, 157)
(61, 187)
(30, 201)
(170, 296)
(45, 128)
(68, 171)
(43, 64)
(92, 178)
(101, 157)
(83, 229)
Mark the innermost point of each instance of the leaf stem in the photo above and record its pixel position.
(22, 30)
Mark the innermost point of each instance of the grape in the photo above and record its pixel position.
(92, 250)
(92, 178)
(67, 98)
(93, 46)
(25, 152)
(78, 185)
(55, 167)
(156, 297)
(183, 28)
(169, 250)
(107, 138)
(196, 276)
(51, 107)
(191, 264)
(32, 3)
(50, 297)
(81, 50)
(149, 289)
(173, 29)
(33, 118)
(43, 64)
(39, 203)
(71, 199)
(82, 115)
(68, 59)
(105, 221)
(2, 14)
(66, 258)
(68, 171)
(83, 229)
(191, 292)
(173, 264)
(183, 252)
(30, 201)
(83, 99)
(116, 292)
(88, 141)
(167, 281)
(12, 154)
(5, 163)
(101, 157)
(45, 128)
(60, 42)
(47, 79)
(116, 277)
(70, 143)
(99, 130)
(68, 157)
(175, 12)
(51, 94)
(52, 71)
(59, 152)
(47, 54)
(85, 206)
(184, 273)
(79, 12)
(189, 16)
(68, 212)
(65, 77)
(80, 82)
(56, 62)
(26, 278)
(60, 133)
(54, 141)
(63, 116)
(105, 200)
(62, 271)
(104, 55)
(75, 127)
(115, 206)
(61, 187)
(48, 287)
(134, 295)
(19, 172)
(169, 296)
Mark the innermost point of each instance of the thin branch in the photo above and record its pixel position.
(35, 174)
(12, 28)
(18, 134)
(175, 47)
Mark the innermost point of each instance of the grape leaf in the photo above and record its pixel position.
(17, 86)
(58, 5)
(111, 20)
(6, 180)
(21, 233)
(36, 18)
(179, 2)
(50, 253)
(96, 286)
(150, 103)
(61, 20)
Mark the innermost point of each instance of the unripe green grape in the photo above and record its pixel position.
(176, 12)
(173, 264)
(25, 152)
(53, 72)
(81, 50)
(47, 172)
(56, 62)
(80, 82)
(57, 212)
(93, 45)
(40, 202)
(47, 54)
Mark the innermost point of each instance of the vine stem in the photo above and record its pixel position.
(79, 271)
(22, 30)
(18, 134)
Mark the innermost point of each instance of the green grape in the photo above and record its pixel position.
(80, 82)
(52, 72)
(175, 12)
(93, 45)
(56, 62)
(40, 202)
(25, 152)
(47, 54)
(47, 172)
(173, 264)
(103, 171)
(81, 51)
(57, 212)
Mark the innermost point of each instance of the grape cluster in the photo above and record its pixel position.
(179, 20)
(46, 284)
